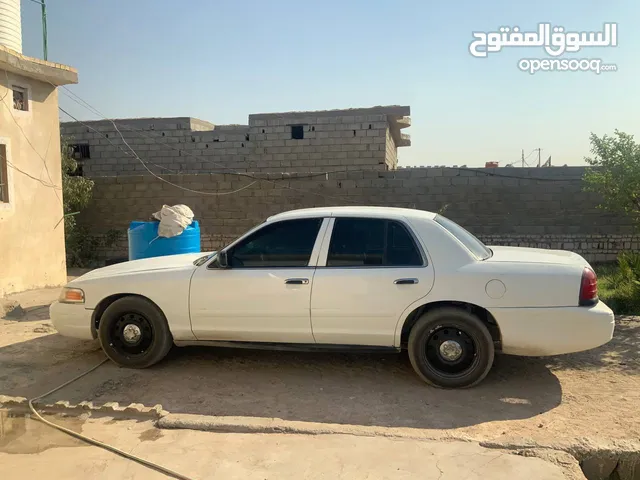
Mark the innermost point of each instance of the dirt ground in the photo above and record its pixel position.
(592, 394)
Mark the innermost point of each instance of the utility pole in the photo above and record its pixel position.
(539, 153)
(44, 26)
(522, 156)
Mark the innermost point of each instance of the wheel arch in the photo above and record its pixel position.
(482, 313)
(104, 304)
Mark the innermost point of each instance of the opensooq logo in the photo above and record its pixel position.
(554, 40)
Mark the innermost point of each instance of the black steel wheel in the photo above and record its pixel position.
(133, 332)
(451, 348)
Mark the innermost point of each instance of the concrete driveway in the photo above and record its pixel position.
(40, 452)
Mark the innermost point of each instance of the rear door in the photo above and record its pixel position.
(369, 271)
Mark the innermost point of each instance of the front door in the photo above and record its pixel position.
(367, 276)
(265, 294)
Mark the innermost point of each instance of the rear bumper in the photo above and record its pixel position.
(71, 320)
(553, 331)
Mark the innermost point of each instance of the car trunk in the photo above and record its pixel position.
(536, 255)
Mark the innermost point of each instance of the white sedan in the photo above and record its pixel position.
(359, 278)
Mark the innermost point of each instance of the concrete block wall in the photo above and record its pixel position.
(355, 139)
(537, 207)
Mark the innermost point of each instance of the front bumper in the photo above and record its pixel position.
(71, 320)
(554, 330)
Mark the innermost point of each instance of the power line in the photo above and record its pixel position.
(137, 157)
(112, 143)
(39, 180)
(159, 141)
(24, 134)
(143, 133)
(493, 174)
(257, 179)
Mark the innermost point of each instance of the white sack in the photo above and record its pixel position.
(173, 220)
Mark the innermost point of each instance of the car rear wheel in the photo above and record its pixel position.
(451, 348)
(134, 333)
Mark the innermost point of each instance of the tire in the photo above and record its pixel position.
(470, 341)
(149, 324)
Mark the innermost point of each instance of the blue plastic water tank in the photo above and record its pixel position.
(145, 243)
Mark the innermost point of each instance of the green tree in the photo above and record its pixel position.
(617, 176)
(76, 195)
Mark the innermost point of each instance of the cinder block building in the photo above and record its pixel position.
(320, 141)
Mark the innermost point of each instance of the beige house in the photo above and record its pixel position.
(32, 253)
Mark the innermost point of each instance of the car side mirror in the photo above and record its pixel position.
(223, 261)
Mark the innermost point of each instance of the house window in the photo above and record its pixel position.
(297, 132)
(80, 151)
(20, 98)
(4, 175)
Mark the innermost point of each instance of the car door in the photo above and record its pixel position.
(369, 271)
(264, 294)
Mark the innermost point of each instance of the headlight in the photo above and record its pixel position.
(71, 295)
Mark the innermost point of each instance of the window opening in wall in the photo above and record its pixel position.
(80, 151)
(20, 98)
(263, 130)
(246, 137)
(297, 132)
(354, 133)
(369, 126)
(4, 175)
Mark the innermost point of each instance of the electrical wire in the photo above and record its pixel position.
(525, 158)
(91, 441)
(94, 110)
(39, 180)
(256, 179)
(118, 146)
(144, 163)
(157, 138)
(158, 141)
(44, 161)
(504, 175)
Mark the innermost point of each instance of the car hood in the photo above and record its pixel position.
(535, 255)
(167, 262)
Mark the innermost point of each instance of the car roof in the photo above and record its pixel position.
(389, 212)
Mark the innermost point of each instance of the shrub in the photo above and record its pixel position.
(619, 284)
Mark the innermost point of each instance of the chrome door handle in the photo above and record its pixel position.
(296, 281)
(406, 281)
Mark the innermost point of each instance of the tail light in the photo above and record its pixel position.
(588, 288)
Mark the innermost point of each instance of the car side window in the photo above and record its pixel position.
(281, 244)
(366, 242)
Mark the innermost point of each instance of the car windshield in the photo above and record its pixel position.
(474, 245)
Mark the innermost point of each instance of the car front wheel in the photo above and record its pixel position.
(451, 348)
(134, 333)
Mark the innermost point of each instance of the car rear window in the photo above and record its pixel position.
(371, 242)
(474, 245)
